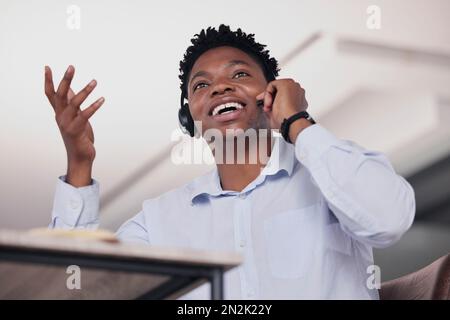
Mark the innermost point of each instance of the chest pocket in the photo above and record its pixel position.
(290, 238)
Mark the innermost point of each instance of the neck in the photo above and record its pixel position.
(242, 165)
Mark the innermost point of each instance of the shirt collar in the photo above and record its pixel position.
(282, 158)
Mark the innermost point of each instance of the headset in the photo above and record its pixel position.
(185, 118)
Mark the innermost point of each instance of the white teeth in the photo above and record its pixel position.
(237, 105)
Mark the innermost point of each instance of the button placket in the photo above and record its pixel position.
(241, 241)
(74, 204)
(249, 269)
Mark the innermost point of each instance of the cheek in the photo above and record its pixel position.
(256, 89)
(195, 107)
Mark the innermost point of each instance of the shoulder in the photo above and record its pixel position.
(179, 197)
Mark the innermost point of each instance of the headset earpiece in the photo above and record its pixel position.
(185, 119)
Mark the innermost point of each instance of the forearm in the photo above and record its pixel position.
(361, 188)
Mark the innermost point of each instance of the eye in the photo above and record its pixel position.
(199, 86)
(240, 74)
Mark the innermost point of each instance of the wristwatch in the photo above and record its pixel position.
(287, 123)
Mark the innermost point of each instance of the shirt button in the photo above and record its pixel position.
(74, 204)
(242, 196)
(242, 243)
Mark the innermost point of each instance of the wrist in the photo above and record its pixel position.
(297, 127)
(79, 173)
(292, 126)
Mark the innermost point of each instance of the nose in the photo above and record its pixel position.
(222, 87)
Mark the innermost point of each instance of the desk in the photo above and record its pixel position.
(34, 267)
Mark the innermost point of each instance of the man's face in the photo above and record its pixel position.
(226, 77)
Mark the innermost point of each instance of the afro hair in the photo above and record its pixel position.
(212, 38)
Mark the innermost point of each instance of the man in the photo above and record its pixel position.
(305, 221)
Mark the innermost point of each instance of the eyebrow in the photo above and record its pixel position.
(231, 63)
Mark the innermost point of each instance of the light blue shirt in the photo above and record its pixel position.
(305, 226)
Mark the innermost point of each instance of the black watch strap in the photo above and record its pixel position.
(285, 125)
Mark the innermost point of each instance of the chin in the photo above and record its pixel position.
(242, 126)
(239, 127)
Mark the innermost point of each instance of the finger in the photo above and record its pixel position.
(67, 114)
(78, 99)
(64, 85)
(83, 116)
(70, 94)
(268, 101)
(269, 95)
(272, 86)
(48, 85)
(89, 111)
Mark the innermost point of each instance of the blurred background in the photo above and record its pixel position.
(375, 72)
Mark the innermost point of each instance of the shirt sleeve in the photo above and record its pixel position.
(134, 230)
(75, 208)
(372, 203)
(78, 208)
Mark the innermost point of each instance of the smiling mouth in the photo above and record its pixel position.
(226, 108)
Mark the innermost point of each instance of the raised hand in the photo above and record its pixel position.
(74, 124)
